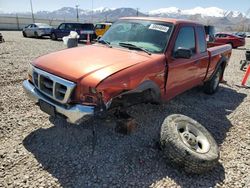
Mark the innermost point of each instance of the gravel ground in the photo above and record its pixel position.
(37, 153)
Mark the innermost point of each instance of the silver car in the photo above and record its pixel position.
(37, 30)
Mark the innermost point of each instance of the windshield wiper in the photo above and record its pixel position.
(129, 45)
(102, 41)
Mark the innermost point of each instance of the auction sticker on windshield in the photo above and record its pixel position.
(157, 27)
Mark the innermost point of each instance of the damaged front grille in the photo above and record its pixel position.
(53, 86)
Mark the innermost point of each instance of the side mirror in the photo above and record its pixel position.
(183, 53)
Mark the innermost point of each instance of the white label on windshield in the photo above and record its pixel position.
(161, 28)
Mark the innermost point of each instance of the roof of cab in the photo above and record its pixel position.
(169, 20)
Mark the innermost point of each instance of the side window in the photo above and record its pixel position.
(62, 26)
(185, 39)
(201, 40)
(70, 26)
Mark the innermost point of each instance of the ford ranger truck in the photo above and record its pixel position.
(137, 60)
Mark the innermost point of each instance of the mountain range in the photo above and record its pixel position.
(222, 19)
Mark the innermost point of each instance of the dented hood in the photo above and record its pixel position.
(96, 60)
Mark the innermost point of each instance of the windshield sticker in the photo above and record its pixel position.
(161, 28)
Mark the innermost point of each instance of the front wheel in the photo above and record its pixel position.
(53, 36)
(36, 35)
(211, 86)
(188, 144)
(24, 34)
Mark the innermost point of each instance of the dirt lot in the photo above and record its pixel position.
(37, 153)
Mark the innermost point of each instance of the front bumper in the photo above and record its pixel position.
(74, 113)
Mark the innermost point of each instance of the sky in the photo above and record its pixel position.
(143, 5)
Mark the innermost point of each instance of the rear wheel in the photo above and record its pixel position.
(211, 86)
(188, 144)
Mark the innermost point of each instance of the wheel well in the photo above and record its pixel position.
(148, 91)
(223, 66)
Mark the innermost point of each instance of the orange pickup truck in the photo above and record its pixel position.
(137, 60)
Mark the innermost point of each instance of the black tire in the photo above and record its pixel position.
(36, 35)
(212, 85)
(175, 148)
(53, 36)
(24, 34)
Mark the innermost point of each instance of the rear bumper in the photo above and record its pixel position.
(74, 113)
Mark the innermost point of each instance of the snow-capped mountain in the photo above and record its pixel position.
(203, 12)
(221, 19)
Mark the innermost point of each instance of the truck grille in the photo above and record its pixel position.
(53, 86)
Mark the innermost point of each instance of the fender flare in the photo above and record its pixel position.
(222, 62)
(146, 85)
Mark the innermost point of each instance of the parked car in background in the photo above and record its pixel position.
(247, 34)
(226, 38)
(81, 28)
(101, 28)
(37, 30)
(241, 34)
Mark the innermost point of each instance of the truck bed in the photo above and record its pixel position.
(215, 53)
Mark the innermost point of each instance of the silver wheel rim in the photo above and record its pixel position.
(217, 80)
(192, 137)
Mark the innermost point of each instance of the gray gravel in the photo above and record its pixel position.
(36, 152)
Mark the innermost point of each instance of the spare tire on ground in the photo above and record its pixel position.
(188, 144)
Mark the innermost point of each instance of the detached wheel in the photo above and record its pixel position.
(188, 144)
(211, 86)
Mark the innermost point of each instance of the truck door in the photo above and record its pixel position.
(182, 72)
(61, 30)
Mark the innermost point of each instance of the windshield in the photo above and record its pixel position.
(152, 36)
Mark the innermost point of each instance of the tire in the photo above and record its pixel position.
(24, 34)
(53, 36)
(176, 147)
(211, 86)
(36, 35)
